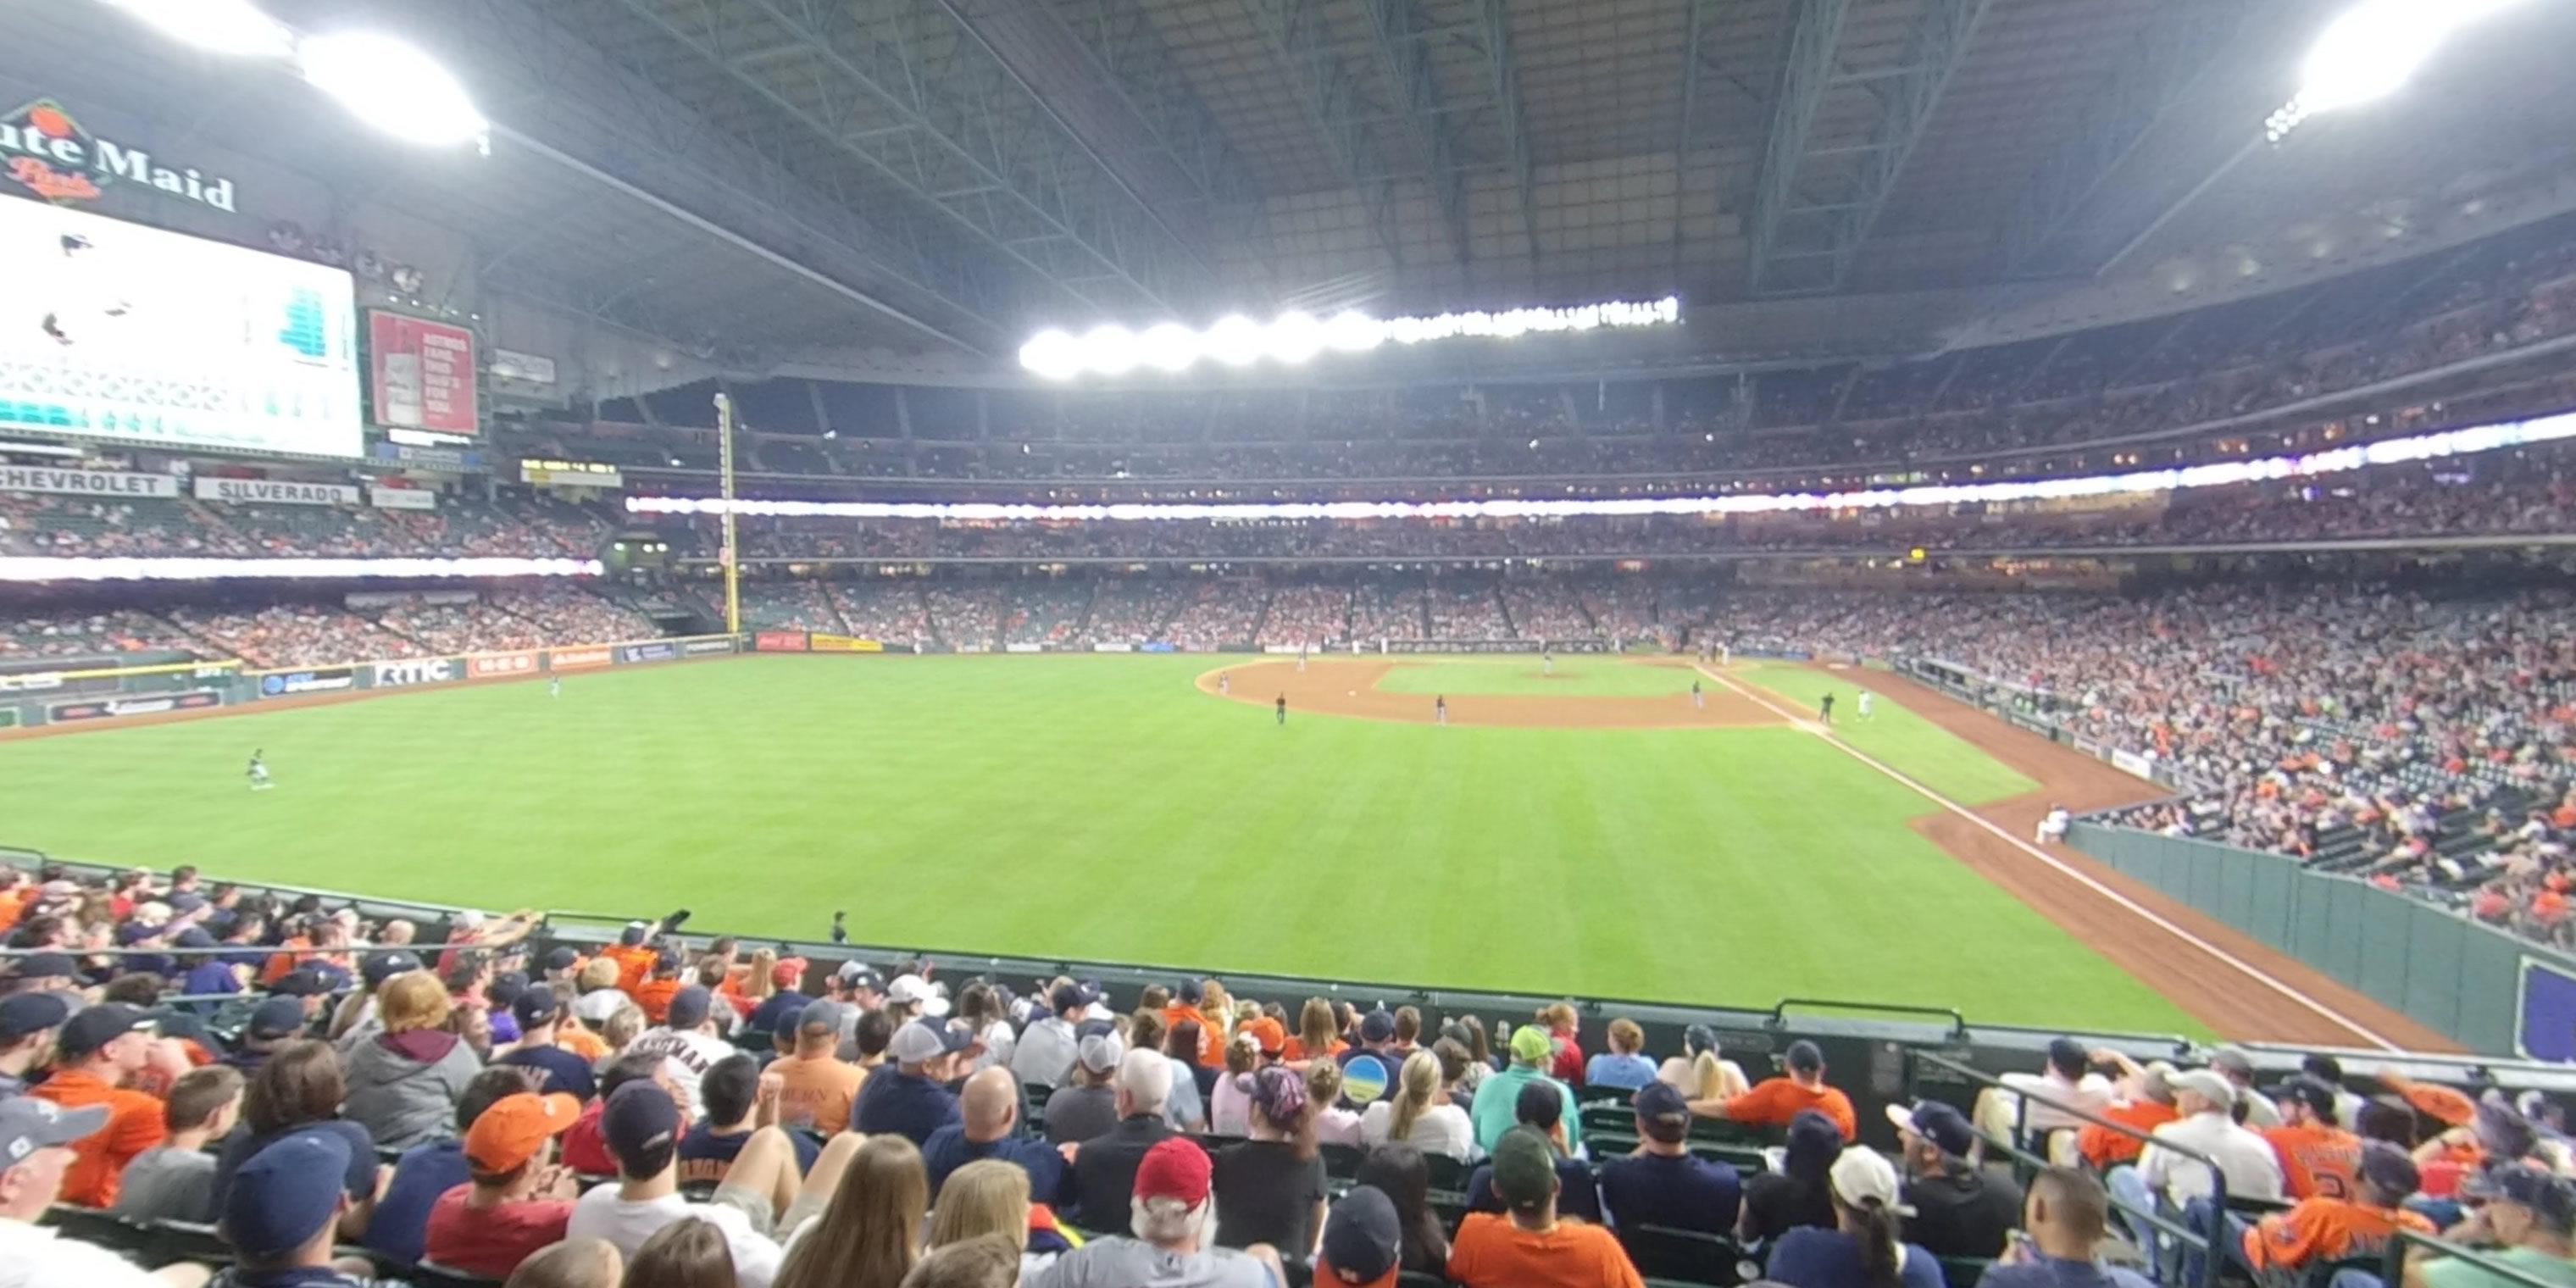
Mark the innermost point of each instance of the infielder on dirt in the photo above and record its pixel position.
(2052, 827)
(1699, 700)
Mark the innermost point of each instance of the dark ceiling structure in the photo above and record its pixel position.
(943, 176)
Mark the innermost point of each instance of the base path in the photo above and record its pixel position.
(1349, 688)
(2241, 988)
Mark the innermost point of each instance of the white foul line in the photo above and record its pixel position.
(2248, 969)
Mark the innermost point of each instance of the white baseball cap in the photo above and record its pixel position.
(908, 989)
(1861, 1175)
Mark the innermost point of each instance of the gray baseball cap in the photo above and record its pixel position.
(28, 1124)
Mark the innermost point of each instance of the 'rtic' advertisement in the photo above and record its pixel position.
(822, 643)
(492, 665)
(114, 708)
(293, 682)
(577, 659)
(425, 670)
(779, 641)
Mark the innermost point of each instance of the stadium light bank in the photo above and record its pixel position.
(2453, 442)
(383, 81)
(2371, 50)
(1294, 338)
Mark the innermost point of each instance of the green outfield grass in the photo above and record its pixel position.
(1589, 676)
(1099, 808)
(1898, 738)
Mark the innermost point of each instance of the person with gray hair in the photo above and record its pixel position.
(1087, 1107)
(1173, 1218)
(1104, 1171)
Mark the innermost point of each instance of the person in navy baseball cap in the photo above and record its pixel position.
(1363, 1240)
(284, 1207)
(27, 1024)
(641, 1127)
(1959, 1210)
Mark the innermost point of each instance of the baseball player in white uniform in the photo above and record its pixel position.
(1864, 704)
(2052, 828)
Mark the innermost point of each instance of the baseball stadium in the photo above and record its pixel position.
(1266, 643)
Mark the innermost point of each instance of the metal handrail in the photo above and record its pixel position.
(2207, 1244)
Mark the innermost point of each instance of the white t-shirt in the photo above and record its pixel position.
(2253, 1170)
(600, 1214)
(2091, 1093)
(1443, 1129)
(34, 1256)
(686, 1057)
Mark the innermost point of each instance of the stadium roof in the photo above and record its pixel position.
(763, 176)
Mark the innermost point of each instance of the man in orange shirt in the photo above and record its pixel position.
(2150, 1105)
(633, 954)
(1772, 1102)
(1185, 1006)
(2318, 1157)
(1527, 1245)
(98, 1053)
(654, 995)
(818, 1088)
(2327, 1228)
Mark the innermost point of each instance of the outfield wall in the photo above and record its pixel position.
(102, 696)
(2489, 990)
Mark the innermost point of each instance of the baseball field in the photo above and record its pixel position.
(1596, 830)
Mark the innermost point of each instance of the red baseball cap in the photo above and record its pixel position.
(787, 972)
(1174, 1169)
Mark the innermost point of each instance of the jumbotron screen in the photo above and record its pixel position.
(117, 330)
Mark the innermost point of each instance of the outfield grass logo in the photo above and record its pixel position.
(50, 155)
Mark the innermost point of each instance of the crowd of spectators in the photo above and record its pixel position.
(320, 632)
(1132, 612)
(789, 606)
(282, 1084)
(892, 611)
(1307, 614)
(2426, 742)
(1213, 614)
(966, 618)
(516, 527)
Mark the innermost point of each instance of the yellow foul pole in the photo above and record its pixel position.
(731, 554)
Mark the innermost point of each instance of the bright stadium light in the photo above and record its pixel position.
(60, 568)
(1235, 341)
(1109, 349)
(1169, 346)
(1052, 354)
(233, 27)
(1296, 337)
(2371, 51)
(392, 86)
(2451, 442)
(1351, 331)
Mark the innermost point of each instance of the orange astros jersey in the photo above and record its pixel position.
(2316, 1162)
(2323, 1229)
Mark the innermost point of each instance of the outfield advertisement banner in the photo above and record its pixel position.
(281, 684)
(1024, 648)
(274, 492)
(646, 652)
(707, 647)
(822, 643)
(419, 670)
(577, 659)
(116, 708)
(1113, 648)
(779, 642)
(40, 478)
(486, 666)
(1488, 646)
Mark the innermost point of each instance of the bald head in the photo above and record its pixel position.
(991, 1103)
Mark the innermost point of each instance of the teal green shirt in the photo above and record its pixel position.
(2450, 1272)
(1498, 1096)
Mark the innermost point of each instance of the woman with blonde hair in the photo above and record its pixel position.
(1564, 1026)
(869, 1233)
(990, 1196)
(1317, 1037)
(1333, 1124)
(1421, 1113)
(404, 1083)
(1698, 1073)
(1230, 1101)
(624, 1025)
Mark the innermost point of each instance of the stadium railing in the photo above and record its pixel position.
(2390, 1267)
(2203, 1268)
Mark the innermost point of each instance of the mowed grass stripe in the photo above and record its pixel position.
(1908, 743)
(1096, 808)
